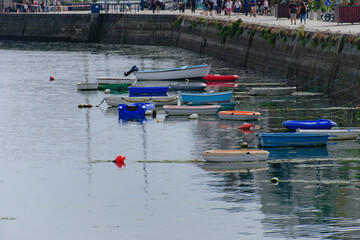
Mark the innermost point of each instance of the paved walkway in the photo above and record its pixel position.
(311, 25)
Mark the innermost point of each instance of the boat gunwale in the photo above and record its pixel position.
(173, 69)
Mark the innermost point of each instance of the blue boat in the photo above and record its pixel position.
(309, 124)
(134, 110)
(203, 98)
(148, 91)
(293, 139)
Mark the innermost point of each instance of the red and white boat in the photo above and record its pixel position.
(239, 115)
(221, 78)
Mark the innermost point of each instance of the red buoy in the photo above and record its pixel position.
(246, 126)
(52, 78)
(120, 159)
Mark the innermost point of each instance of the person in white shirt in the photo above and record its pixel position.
(237, 6)
(266, 6)
(228, 6)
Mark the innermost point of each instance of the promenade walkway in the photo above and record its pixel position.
(311, 25)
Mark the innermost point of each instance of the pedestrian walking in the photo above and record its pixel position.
(302, 12)
(253, 8)
(266, 7)
(193, 5)
(237, 6)
(219, 4)
(228, 7)
(293, 12)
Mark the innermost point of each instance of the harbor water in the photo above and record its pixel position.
(58, 181)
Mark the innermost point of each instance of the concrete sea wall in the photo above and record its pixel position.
(317, 61)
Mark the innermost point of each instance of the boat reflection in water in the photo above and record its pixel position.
(297, 152)
(235, 167)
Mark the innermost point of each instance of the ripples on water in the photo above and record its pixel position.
(57, 179)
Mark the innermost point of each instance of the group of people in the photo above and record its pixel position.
(228, 6)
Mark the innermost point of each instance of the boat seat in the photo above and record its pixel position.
(132, 108)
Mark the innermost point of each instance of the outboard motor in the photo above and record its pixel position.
(133, 69)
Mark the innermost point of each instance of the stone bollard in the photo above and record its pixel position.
(318, 15)
(311, 15)
(272, 9)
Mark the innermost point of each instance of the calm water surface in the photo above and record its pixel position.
(56, 181)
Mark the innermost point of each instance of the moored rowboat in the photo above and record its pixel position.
(205, 97)
(188, 110)
(235, 155)
(239, 115)
(114, 80)
(335, 134)
(293, 139)
(270, 91)
(309, 124)
(186, 72)
(221, 78)
(84, 86)
(114, 101)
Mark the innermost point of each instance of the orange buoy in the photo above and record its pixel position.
(120, 159)
(52, 78)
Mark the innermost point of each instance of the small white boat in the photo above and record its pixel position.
(85, 86)
(186, 72)
(244, 155)
(335, 134)
(114, 101)
(115, 80)
(188, 110)
(272, 91)
(239, 115)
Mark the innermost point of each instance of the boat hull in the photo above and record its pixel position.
(186, 72)
(86, 86)
(205, 97)
(217, 156)
(221, 78)
(115, 80)
(188, 87)
(309, 124)
(292, 139)
(272, 91)
(148, 91)
(188, 110)
(114, 101)
(239, 115)
(335, 134)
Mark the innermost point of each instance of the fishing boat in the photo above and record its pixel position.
(115, 80)
(134, 110)
(239, 115)
(205, 97)
(272, 91)
(114, 101)
(309, 124)
(244, 155)
(148, 91)
(221, 78)
(293, 139)
(185, 72)
(335, 134)
(86, 86)
(188, 110)
(187, 86)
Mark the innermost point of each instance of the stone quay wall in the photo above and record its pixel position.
(316, 61)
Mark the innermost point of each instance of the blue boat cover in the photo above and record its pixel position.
(134, 110)
(309, 124)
